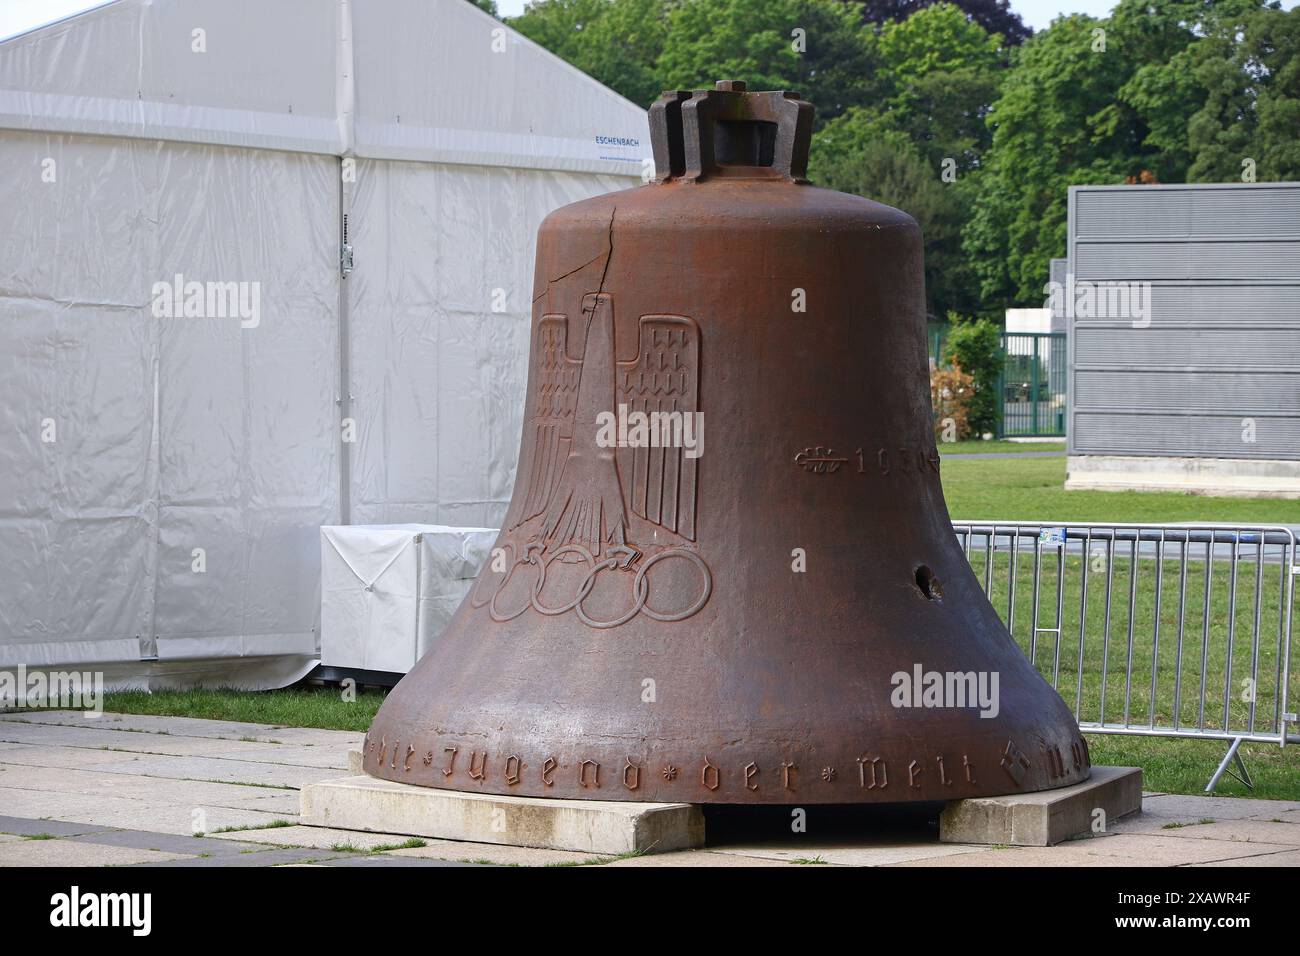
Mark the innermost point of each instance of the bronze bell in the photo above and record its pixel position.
(772, 609)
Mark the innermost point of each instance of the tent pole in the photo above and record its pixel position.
(345, 93)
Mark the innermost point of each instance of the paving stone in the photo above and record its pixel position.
(262, 857)
(70, 853)
(17, 756)
(1285, 858)
(259, 773)
(149, 790)
(317, 837)
(96, 738)
(105, 811)
(1182, 807)
(82, 808)
(871, 853)
(1241, 831)
(1129, 849)
(325, 749)
(266, 772)
(463, 852)
(192, 727)
(1149, 823)
(25, 826)
(383, 859)
(332, 757)
(166, 842)
(181, 819)
(701, 858)
(283, 802)
(93, 737)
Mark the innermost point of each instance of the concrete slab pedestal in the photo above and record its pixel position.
(611, 827)
(591, 826)
(1047, 817)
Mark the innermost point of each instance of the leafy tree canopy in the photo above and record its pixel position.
(955, 113)
(995, 16)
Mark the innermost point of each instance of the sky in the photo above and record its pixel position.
(18, 16)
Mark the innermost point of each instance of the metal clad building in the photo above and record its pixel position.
(1197, 384)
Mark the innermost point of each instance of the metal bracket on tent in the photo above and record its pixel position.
(345, 259)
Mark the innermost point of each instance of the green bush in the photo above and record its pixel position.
(976, 346)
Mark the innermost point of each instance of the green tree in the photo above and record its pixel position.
(976, 346)
(817, 47)
(618, 42)
(995, 16)
(914, 148)
(942, 72)
(1273, 42)
(1053, 127)
(888, 168)
(1250, 70)
(936, 38)
(1170, 90)
(1179, 53)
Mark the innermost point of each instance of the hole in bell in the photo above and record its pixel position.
(928, 584)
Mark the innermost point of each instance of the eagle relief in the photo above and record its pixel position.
(595, 512)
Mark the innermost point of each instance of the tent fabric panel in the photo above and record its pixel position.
(247, 422)
(265, 75)
(170, 432)
(438, 376)
(492, 96)
(77, 368)
(321, 77)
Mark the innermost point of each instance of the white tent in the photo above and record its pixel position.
(189, 387)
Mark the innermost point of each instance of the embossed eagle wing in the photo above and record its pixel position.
(555, 397)
(663, 383)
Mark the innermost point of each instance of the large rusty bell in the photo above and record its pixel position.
(727, 574)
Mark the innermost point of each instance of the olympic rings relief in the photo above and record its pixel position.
(640, 585)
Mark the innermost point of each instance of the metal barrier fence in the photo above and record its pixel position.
(1158, 630)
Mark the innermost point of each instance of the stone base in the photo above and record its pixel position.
(590, 826)
(1224, 477)
(1047, 817)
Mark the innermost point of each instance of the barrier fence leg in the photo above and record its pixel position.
(1232, 756)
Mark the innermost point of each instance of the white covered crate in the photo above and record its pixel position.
(387, 591)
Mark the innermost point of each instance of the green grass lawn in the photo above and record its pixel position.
(1184, 766)
(301, 706)
(1032, 489)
